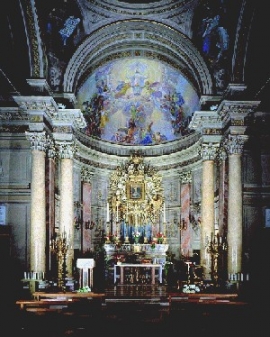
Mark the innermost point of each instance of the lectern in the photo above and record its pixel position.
(86, 267)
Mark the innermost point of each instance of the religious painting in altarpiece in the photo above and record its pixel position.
(136, 193)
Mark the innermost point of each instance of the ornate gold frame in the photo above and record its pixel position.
(135, 209)
(135, 191)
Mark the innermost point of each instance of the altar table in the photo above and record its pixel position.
(153, 268)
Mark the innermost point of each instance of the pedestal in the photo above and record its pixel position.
(86, 272)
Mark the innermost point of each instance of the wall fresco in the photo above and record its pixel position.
(137, 101)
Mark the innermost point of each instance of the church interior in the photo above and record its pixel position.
(134, 167)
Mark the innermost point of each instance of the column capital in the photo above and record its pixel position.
(234, 144)
(222, 154)
(185, 177)
(38, 140)
(51, 150)
(86, 174)
(66, 150)
(209, 151)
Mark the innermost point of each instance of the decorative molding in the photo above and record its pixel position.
(86, 174)
(66, 150)
(185, 177)
(209, 151)
(38, 106)
(206, 120)
(237, 109)
(146, 181)
(38, 140)
(101, 12)
(51, 149)
(235, 144)
(167, 44)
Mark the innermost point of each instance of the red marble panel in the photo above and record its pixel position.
(186, 230)
(86, 232)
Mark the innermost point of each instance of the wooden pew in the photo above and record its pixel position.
(42, 305)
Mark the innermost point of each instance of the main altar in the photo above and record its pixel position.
(136, 263)
(136, 243)
(135, 207)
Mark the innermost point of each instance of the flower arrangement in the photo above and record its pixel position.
(153, 244)
(113, 238)
(136, 236)
(160, 237)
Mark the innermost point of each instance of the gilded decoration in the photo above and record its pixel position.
(136, 194)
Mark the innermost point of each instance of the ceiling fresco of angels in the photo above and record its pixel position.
(137, 102)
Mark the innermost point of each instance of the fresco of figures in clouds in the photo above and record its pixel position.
(138, 102)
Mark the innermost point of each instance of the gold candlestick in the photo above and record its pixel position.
(108, 233)
(215, 248)
(59, 246)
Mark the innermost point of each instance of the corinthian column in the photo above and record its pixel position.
(209, 153)
(66, 151)
(38, 203)
(234, 146)
(50, 199)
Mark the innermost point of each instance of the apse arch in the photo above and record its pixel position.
(133, 38)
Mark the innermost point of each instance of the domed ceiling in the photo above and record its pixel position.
(137, 101)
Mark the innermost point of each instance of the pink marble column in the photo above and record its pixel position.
(185, 228)
(86, 233)
(66, 200)
(209, 153)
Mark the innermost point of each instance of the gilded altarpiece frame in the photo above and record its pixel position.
(136, 193)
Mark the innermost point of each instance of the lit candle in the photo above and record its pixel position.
(164, 213)
(108, 212)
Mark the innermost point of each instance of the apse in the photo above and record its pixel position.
(138, 102)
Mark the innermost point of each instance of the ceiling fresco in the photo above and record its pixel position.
(141, 101)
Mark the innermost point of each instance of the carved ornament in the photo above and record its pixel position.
(136, 193)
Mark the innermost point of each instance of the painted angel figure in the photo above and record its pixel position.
(69, 27)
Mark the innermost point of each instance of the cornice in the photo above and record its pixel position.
(38, 108)
(205, 119)
(164, 161)
(111, 148)
(155, 7)
(227, 114)
(237, 108)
